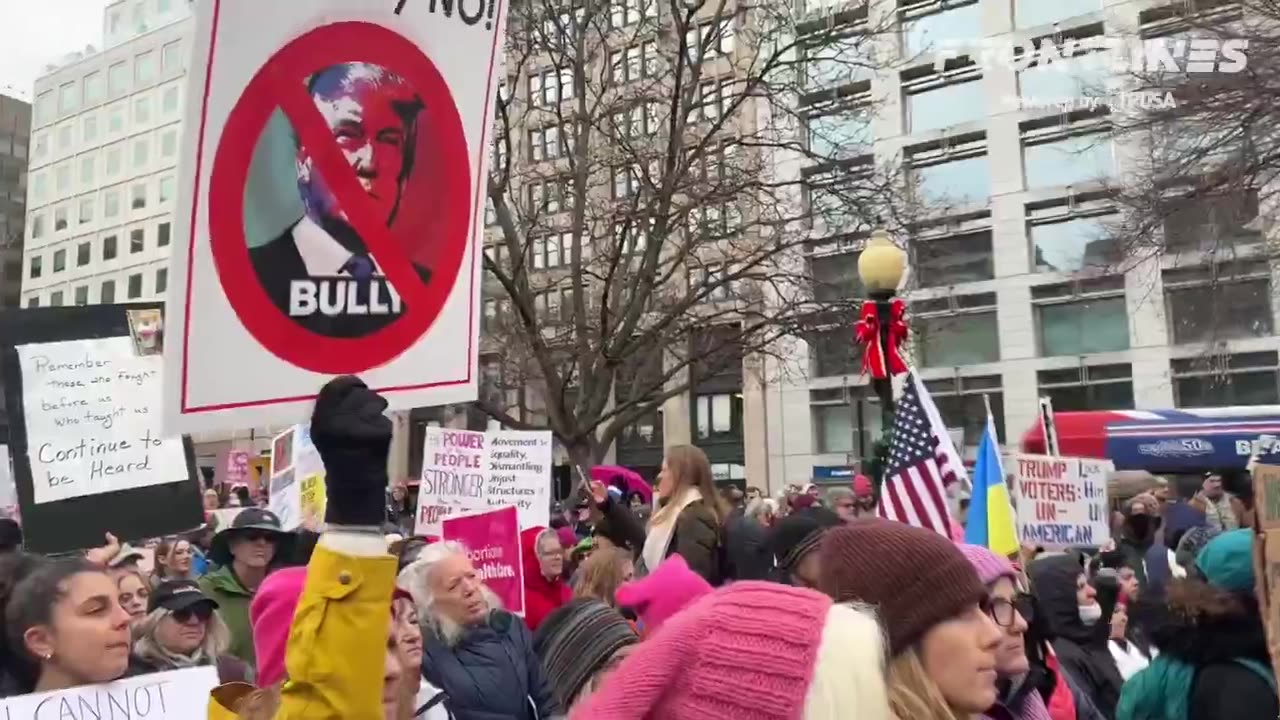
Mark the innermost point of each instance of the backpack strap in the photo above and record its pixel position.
(1262, 669)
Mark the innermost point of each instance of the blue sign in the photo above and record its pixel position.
(1185, 443)
(834, 472)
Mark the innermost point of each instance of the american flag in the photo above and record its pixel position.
(921, 463)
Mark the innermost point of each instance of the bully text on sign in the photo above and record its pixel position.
(464, 471)
(93, 424)
(1061, 501)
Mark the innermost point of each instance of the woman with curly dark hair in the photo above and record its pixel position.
(1213, 661)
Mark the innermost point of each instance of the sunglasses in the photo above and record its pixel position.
(200, 612)
(256, 535)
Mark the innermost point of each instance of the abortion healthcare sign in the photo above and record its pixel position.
(334, 163)
(492, 539)
(173, 695)
(1062, 501)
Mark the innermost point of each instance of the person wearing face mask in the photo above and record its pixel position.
(935, 611)
(1079, 619)
(1138, 534)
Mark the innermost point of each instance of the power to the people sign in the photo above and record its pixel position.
(334, 172)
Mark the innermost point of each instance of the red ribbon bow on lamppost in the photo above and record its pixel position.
(882, 361)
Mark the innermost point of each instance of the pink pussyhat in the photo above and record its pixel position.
(270, 615)
(663, 593)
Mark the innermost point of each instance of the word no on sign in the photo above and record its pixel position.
(335, 184)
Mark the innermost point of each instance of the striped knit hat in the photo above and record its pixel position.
(798, 534)
(576, 641)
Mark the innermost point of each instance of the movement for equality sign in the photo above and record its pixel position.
(465, 471)
(334, 164)
(492, 539)
(1061, 501)
(173, 695)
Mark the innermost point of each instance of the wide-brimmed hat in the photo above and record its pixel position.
(249, 520)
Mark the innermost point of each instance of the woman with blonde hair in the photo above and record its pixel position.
(603, 572)
(935, 611)
(182, 629)
(689, 517)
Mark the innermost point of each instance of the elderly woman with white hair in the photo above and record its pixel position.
(480, 655)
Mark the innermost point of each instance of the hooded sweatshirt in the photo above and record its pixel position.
(541, 595)
(1082, 650)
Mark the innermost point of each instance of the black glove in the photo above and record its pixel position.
(353, 438)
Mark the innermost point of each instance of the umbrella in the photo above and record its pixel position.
(629, 480)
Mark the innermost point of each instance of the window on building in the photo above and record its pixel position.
(544, 143)
(1064, 79)
(86, 171)
(62, 179)
(547, 197)
(957, 330)
(144, 68)
(934, 105)
(1212, 223)
(109, 249)
(718, 414)
(844, 421)
(626, 181)
(1073, 244)
(169, 143)
(93, 89)
(114, 157)
(37, 267)
(86, 210)
(839, 133)
(59, 260)
(964, 181)
(836, 62)
(1088, 387)
(46, 108)
(68, 98)
(82, 295)
(138, 196)
(64, 138)
(39, 188)
(33, 301)
(953, 260)
(171, 56)
(162, 234)
(118, 79)
(630, 12)
(833, 352)
(1233, 303)
(714, 99)
(39, 146)
(55, 298)
(550, 87)
(110, 203)
(962, 405)
(115, 118)
(711, 39)
(137, 241)
(84, 254)
(107, 294)
(169, 100)
(60, 218)
(166, 188)
(934, 26)
(1082, 317)
(162, 281)
(1225, 380)
(1036, 13)
(142, 110)
(89, 130)
(134, 290)
(835, 277)
(37, 226)
(634, 63)
(1073, 160)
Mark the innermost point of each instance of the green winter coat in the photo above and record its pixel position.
(233, 605)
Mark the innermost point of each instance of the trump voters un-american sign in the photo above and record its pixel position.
(330, 203)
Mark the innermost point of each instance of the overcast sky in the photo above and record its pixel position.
(37, 32)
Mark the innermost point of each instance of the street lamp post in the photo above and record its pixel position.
(880, 268)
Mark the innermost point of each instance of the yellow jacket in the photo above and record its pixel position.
(338, 639)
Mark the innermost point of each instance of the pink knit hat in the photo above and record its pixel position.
(270, 615)
(990, 567)
(568, 538)
(663, 593)
(746, 652)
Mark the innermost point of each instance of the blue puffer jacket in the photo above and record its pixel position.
(492, 673)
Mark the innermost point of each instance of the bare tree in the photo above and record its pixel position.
(656, 183)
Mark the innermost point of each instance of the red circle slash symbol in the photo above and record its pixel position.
(420, 254)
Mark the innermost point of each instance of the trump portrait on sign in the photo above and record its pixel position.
(320, 270)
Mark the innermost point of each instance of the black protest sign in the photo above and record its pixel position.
(82, 386)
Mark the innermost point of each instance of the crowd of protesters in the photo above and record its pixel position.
(704, 604)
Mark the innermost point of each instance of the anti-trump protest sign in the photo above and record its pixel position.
(492, 539)
(173, 695)
(464, 471)
(296, 492)
(1061, 501)
(335, 157)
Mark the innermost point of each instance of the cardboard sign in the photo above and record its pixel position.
(465, 471)
(1266, 553)
(1266, 498)
(297, 492)
(173, 695)
(293, 258)
(492, 539)
(1061, 502)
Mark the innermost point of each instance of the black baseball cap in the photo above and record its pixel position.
(175, 595)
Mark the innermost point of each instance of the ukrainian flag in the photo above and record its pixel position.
(990, 521)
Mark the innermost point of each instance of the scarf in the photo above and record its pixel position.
(662, 528)
(1162, 690)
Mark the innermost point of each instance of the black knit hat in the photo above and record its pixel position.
(797, 534)
(576, 641)
(915, 578)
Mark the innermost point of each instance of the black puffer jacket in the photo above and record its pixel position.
(1082, 650)
(491, 673)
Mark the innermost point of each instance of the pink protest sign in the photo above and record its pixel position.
(492, 539)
